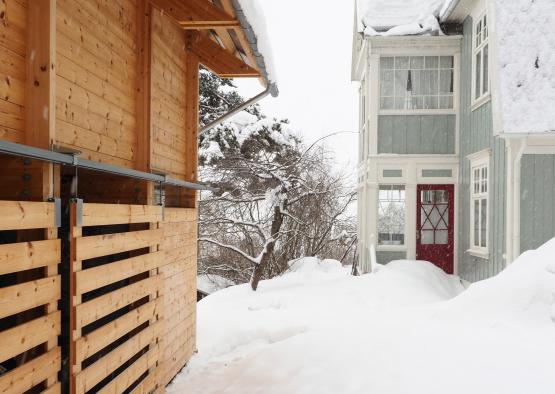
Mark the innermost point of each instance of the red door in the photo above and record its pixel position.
(435, 234)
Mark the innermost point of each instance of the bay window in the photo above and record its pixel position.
(416, 82)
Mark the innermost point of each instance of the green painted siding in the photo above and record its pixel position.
(537, 205)
(476, 134)
(387, 257)
(416, 134)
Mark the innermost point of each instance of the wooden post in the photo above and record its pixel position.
(144, 132)
(41, 74)
(191, 120)
(75, 232)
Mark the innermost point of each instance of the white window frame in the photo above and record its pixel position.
(439, 54)
(479, 42)
(363, 119)
(392, 247)
(480, 190)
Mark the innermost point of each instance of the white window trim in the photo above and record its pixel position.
(480, 159)
(437, 111)
(485, 97)
(391, 247)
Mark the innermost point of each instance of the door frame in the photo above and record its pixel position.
(453, 214)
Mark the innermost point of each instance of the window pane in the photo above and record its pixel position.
(387, 103)
(485, 87)
(417, 82)
(478, 72)
(446, 102)
(432, 62)
(427, 237)
(402, 63)
(445, 81)
(387, 83)
(430, 102)
(476, 222)
(386, 63)
(484, 221)
(417, 62)
(478, 33)
(417, 102)
(442, 237)
(401, 82)
(391, 215)
(446, 62)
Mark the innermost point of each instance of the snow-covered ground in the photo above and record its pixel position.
(406, 328)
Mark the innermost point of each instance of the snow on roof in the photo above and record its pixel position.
(399, 17)
(525, 32)
(253, 22)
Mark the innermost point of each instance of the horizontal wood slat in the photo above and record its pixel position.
(28, 255)
(21, 215)
(172, 215)
(32, 373)
(97, 277)
(94, 374)
(99, 307)
(104, 214)
(28, 295)
(90, 344)
(26, 336)
(103, 245)
(133, 372)
(56, 388)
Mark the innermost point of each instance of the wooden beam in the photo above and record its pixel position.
(220, 61)
(192, 85)
(196, 14)
(41, 73)
(143, 108)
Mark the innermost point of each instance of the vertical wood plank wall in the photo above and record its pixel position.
(29, 293)
(97, 78)
(13, 47)
(168, 96)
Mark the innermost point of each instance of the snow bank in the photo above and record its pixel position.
(526, 49)
(406, 328)
(523, 293)
(209, 283)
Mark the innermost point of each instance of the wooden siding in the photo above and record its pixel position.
(416, 134)
(537, 205)
(96, 55)
(29, 320)
(384, 257)
(476, 134)
(168, 96)
(134, 296)
(13, 47)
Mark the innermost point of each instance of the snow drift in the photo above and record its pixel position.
(406, 328)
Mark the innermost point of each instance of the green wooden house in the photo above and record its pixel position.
(457, 131)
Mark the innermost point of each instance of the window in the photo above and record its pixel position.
(479, 204)
(481, 59)
(362, 140)
(391, 215)
(416, 82)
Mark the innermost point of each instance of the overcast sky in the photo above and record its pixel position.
(311, 42)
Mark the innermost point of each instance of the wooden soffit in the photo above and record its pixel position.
(215, 34)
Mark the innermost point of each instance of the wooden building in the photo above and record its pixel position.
(457, 132)
(98, 185)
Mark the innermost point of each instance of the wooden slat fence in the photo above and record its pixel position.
(116, 315)
(30, 288)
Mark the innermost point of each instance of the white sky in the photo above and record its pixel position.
(311, 42)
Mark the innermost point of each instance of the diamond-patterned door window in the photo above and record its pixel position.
(434, 217)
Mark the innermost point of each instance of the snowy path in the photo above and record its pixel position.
(400, 330)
